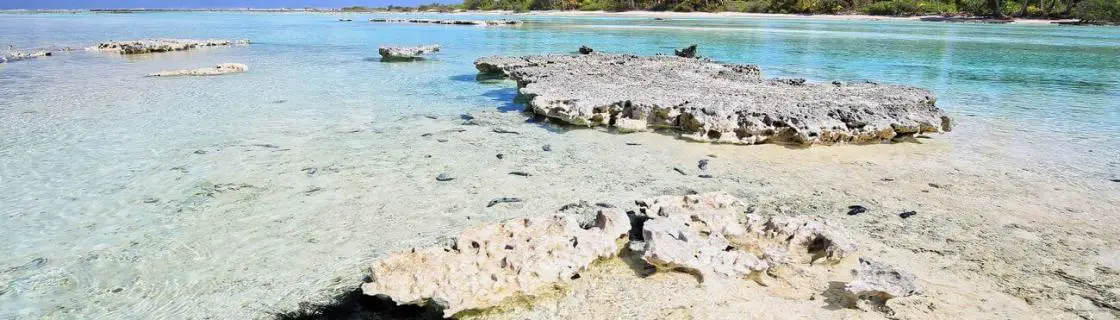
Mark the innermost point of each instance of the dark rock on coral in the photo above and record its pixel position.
(444, 177)
(687, 52)
(502, 200)
(856, 209)
(907, 214)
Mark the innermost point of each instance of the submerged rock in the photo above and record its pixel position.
(162, 45)
(224, 68)
(406, 53)
(492, 263)
(585, 50)
(452, 22)
(13, 56)
(708, 101)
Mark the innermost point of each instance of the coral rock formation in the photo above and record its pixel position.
(703, 234)
(406, 53)
(162, 45)
(707, 235)
(880, 281)
(224, 68)
(13, 56)
(708, 101)
(489, 264)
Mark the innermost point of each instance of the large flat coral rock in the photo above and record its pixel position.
(716, 102)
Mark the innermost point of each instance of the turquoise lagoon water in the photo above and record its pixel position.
(82, 134)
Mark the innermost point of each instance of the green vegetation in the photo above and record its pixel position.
(434, 7)
(1087, 10)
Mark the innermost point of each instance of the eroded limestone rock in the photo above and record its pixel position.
(406, 53)
(162, 45)
(880, 281)
(489, 264)
(224, 68)
(708, 235)
(708, 101)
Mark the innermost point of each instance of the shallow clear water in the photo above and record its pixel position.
(83, 135)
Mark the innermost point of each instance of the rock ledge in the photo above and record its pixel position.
(715, 102)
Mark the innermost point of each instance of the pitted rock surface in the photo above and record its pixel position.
(491, 263)
(878, 280)
(709, 101)
(708, 235)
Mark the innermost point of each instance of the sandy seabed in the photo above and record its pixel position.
(299, 219)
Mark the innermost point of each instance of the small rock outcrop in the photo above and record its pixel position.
(492, 263)
(389, 53)
(13, 56)
(483, 23)
(687, 52)
(880, 282)
(162, 45)
(703, 234)
(585, 50)
(709, 101)
(224, 68)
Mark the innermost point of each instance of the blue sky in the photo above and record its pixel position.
(86, 4)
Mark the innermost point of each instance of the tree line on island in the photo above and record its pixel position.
(1088, 11)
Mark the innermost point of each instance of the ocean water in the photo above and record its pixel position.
(85, 140)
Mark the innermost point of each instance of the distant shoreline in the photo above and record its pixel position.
(561, 13)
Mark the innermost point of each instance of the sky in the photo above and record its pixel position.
(88, 4)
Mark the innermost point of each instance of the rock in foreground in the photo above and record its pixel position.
(162, 45)
(489, 264)
(225, 68)
(708, 101)
(704, 235)
(406, 53)
(879, 281)
(707, 235)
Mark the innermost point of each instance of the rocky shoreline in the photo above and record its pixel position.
(714, 102)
